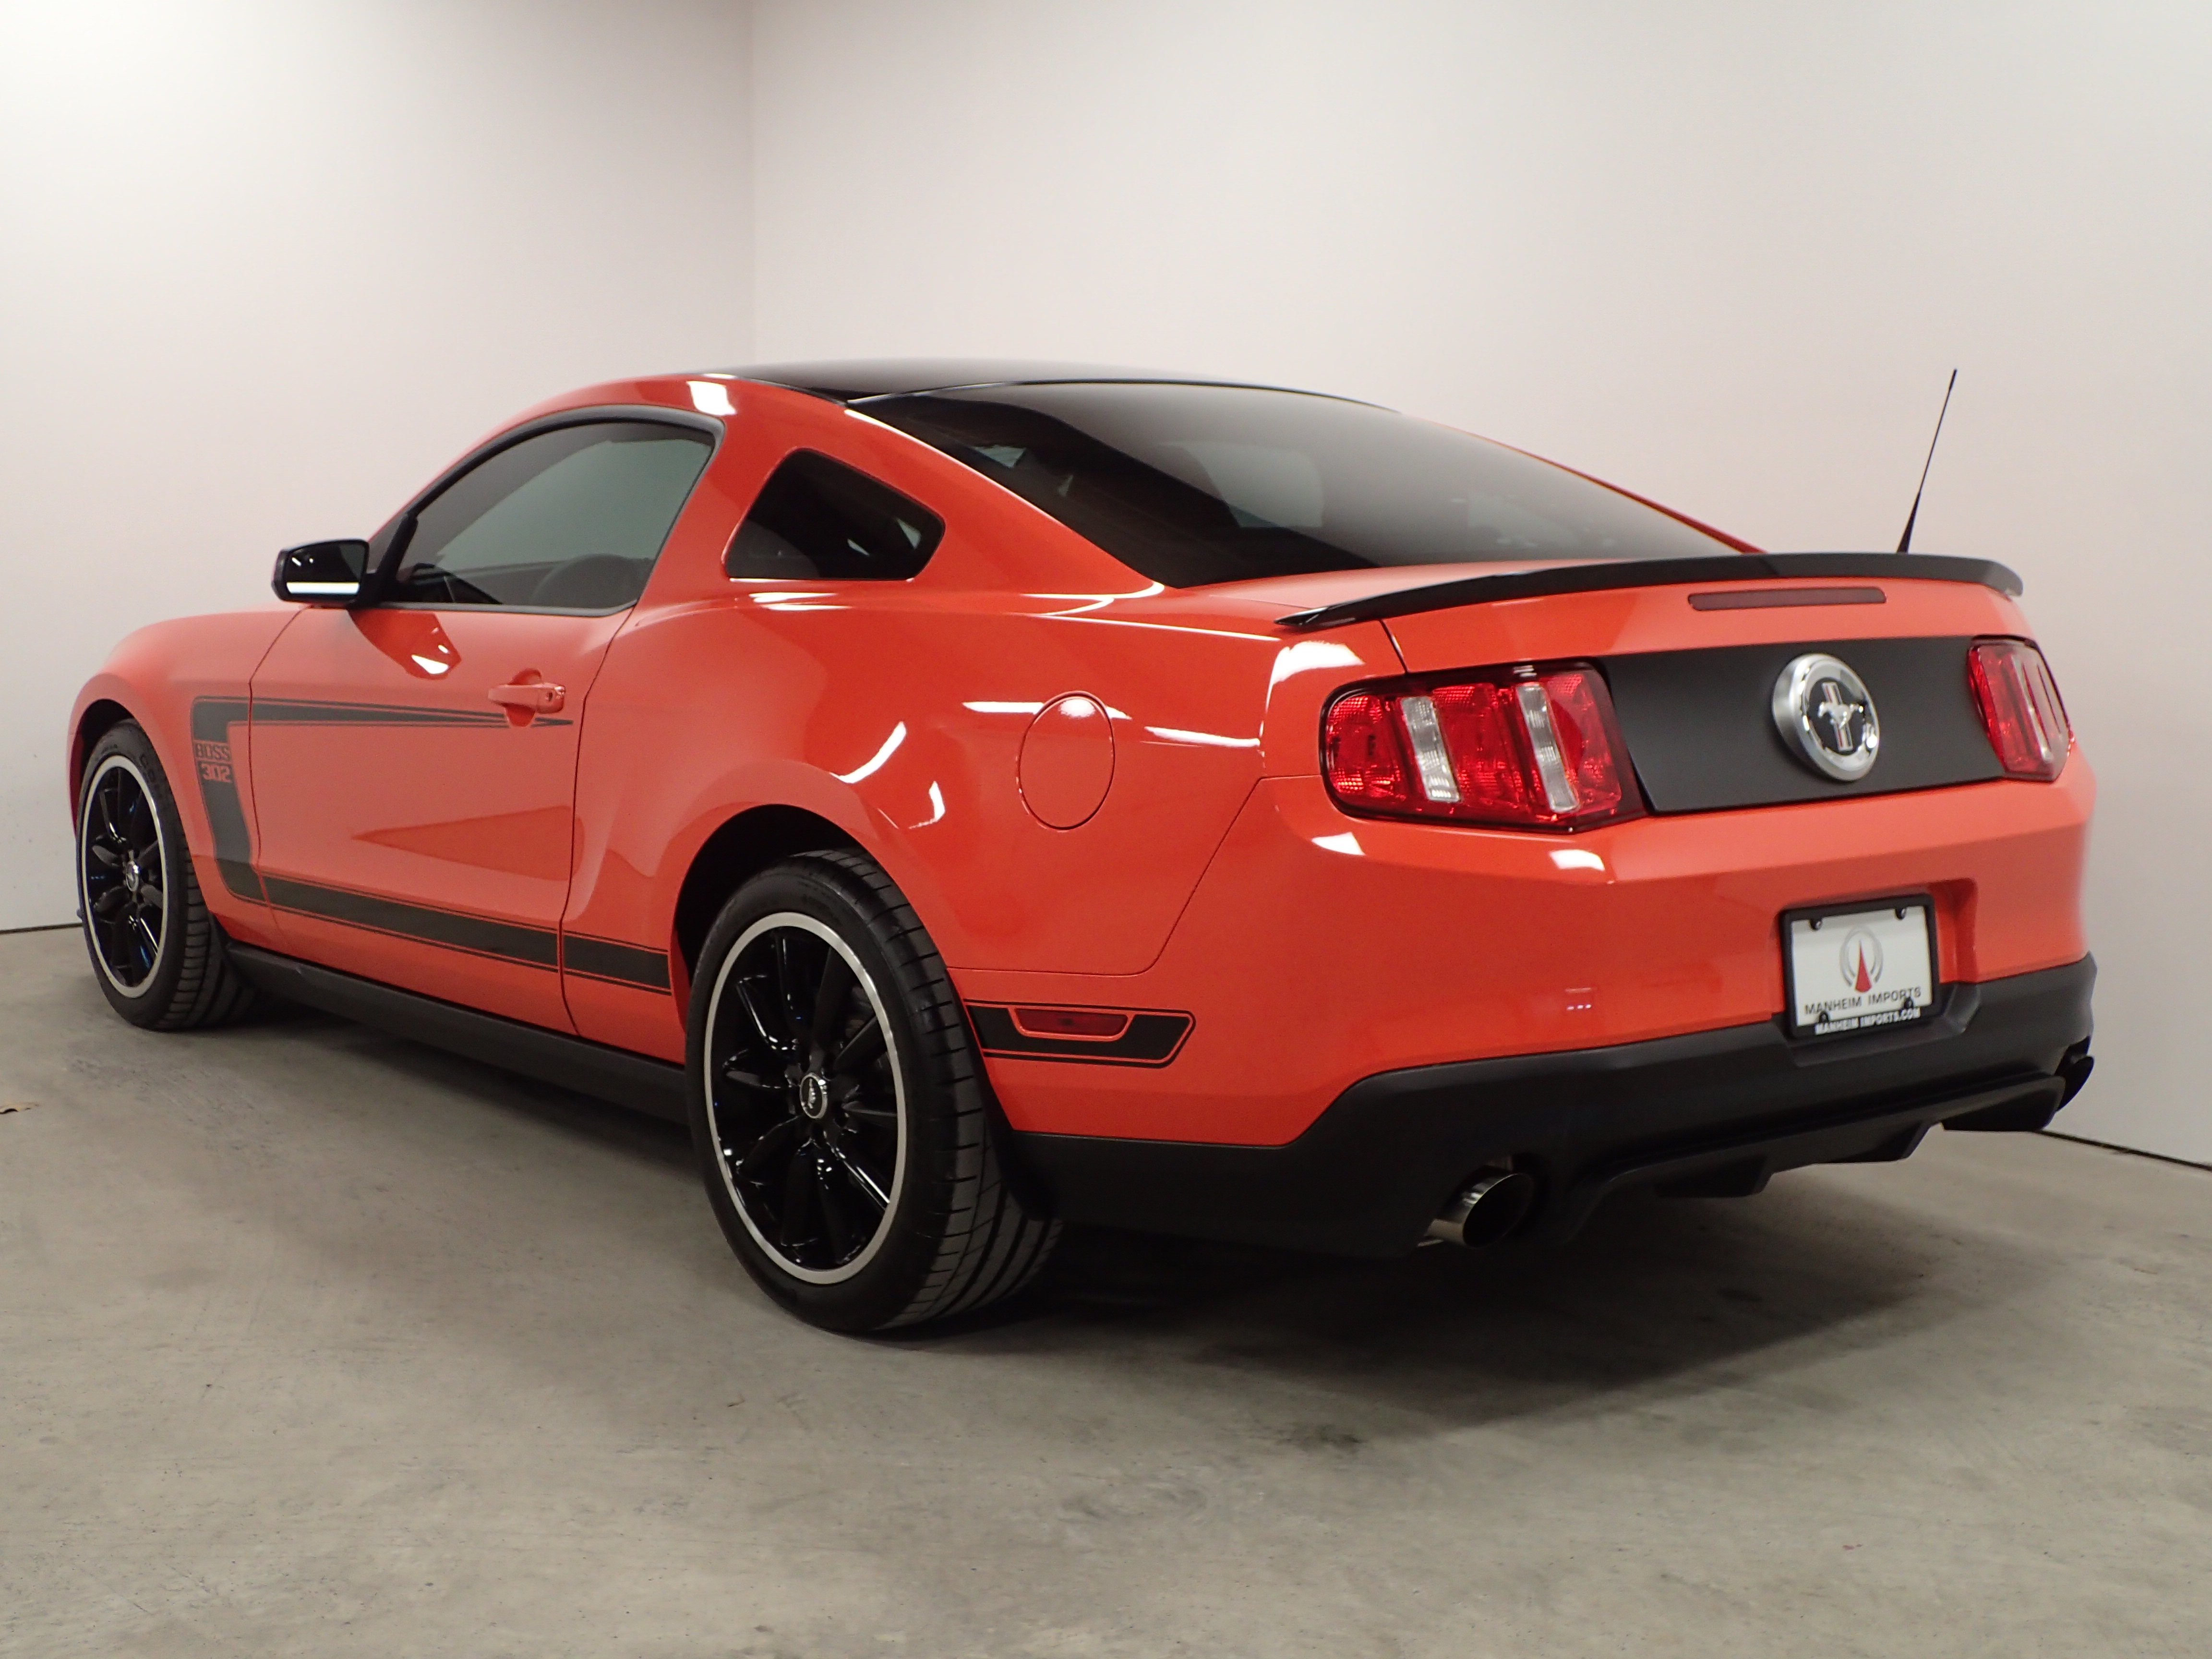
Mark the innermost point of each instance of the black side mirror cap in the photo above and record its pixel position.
(321, 572)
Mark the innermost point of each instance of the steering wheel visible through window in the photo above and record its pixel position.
(569, 519)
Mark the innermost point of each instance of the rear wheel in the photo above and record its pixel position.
(157, 953)
(840, 1115)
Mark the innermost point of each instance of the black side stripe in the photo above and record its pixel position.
(484, 936)
(612, 961)
(606, 960)
(211, 720)
(212, 760)
(1153, 1038)
(269, 711)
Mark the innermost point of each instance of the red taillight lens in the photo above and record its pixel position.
(1536, 748)
(2020, 706)
(1366, 747)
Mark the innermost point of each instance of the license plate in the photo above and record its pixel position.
(1859, 969)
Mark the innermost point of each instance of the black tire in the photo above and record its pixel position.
(802, 1122)
(157, 954)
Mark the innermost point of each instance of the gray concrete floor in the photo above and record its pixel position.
(313, 1341)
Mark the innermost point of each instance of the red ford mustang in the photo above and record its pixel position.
(980, 797)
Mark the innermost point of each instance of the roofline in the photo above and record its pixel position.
(860, 381)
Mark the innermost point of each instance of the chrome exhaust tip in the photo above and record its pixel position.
(1487, 1208)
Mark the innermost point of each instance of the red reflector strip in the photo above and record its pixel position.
(1097, 1024)
(1147, 1036)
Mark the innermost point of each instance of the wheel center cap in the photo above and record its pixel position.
(131, 876)
(814, 1096)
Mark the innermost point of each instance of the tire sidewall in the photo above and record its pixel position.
(880, 1290)
(152, 1001)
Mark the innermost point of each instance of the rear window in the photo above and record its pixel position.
(1193, 484)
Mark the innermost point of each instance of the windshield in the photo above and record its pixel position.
(1193, 484)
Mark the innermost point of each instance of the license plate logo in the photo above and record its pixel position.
(1860, 969)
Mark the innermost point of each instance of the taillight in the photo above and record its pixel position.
(2020, 707)
(1533, 748)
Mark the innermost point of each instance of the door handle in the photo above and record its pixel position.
(531, 697)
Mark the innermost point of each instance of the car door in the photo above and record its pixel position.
(414, 758)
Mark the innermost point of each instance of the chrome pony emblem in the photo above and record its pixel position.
(1827, 717)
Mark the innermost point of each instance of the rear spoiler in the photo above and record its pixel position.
(1655, 573)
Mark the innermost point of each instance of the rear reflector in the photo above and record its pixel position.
(1101, 1023)
(2020, 706)
(1531, 748)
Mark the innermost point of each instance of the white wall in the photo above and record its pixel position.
(1722, 254)
(266, 267)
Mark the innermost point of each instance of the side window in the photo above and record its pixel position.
(819, 517)
(571, 520)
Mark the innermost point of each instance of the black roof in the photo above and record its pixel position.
(850, 382)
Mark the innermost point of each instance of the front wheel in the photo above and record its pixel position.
(156, 951)
(839, 1108)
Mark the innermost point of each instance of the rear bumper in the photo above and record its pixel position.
(1714, 1111)
(1320, 949)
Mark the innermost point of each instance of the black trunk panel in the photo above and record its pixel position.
(1700, 728)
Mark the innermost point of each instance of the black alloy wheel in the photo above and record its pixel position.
(157, 954)
(844, 1126)
(805, 1098)
(120, 864)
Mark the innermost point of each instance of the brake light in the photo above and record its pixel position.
(1531, 748)
(2020, 706)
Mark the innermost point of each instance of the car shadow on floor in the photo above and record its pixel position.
(585, 1118)
(1687, 1294)
(1695, 1293)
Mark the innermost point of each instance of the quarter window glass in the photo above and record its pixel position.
(818, 518)
(571, 520)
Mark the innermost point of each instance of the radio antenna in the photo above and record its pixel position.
(1904, 542)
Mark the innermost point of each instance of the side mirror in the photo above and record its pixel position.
(321, 572)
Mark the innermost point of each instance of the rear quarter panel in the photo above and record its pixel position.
(897, 712)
